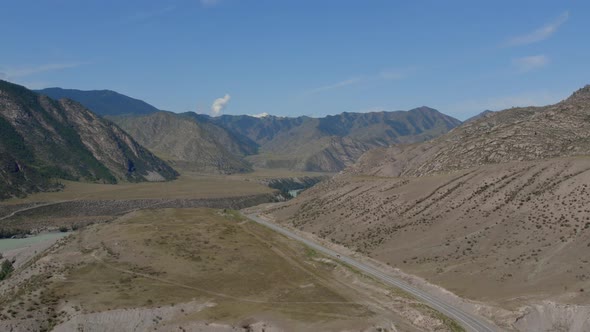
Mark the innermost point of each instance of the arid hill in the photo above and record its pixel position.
(516, 134)
(42, 138)
(497, 210)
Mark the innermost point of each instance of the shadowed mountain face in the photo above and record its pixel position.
(333, 142)
(102, 102)
(191, 145)
(41, 138)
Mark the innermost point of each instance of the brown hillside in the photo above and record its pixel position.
(517, 134)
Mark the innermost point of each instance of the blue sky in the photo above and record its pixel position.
(314, 57)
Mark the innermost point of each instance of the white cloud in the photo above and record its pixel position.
(337, 85)
(396, 73)
(386, 75)
(529, 63)
(3, 75)
(25, 71)
(540, 34)
(261, 115)
(219, 104)
(209, 3)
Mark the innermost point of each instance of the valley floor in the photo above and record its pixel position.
(187, 186)
(198, 269)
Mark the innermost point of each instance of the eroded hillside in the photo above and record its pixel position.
(44, 139)
(497, 210)
(493, 233)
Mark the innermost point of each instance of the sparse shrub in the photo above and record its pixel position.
(6, 269)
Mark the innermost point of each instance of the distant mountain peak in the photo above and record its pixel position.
(483, 114)
(102, 102)
(423, 109)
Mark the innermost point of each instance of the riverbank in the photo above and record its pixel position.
(19, 251)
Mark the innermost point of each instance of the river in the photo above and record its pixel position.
(11, 244)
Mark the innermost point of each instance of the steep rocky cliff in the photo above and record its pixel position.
(42, 139)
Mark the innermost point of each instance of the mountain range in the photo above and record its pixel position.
(101, 135)
(333, 142)
(231, 143)
(237, 143)
(42, 139)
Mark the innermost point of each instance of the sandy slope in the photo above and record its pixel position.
(510, 235)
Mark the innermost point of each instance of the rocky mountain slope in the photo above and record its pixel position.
(497, 210)
(43, 139)
(333, 142)
(198, 146)
(516, 134)
(102, 102)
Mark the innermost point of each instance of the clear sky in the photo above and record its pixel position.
(302, 57)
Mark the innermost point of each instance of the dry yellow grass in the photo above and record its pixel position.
(161, 257)
(189, 185)
(186, 186)
(179, 267)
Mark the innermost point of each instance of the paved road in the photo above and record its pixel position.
(469, 321)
